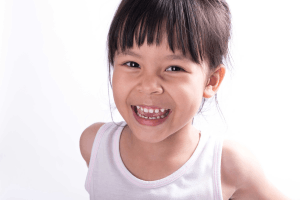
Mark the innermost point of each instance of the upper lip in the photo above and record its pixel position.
(151, 107)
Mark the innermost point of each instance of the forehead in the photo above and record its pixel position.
(166, 56)
(163, 49)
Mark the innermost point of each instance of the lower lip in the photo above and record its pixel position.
(149, 122)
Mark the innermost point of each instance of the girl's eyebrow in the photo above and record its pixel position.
(177, 57)
(131, 53)
(168, 57)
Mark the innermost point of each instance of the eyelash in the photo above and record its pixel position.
(138, 64)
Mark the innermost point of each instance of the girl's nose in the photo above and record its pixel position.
(150, 84)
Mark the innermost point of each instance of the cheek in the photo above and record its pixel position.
(117, 85)
(121, 88)
(188, 94)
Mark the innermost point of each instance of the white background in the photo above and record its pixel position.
(53, 84)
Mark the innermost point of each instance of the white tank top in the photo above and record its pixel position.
(108, 178)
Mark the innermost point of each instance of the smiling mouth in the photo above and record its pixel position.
(151, 114)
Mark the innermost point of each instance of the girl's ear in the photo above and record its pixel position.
(214, 81)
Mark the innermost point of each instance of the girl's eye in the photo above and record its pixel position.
(135, 65)
(175, 68)
(132, 64)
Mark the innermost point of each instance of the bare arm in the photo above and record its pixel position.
(87, 139)
(242, 174)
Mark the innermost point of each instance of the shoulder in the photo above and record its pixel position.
(236, 164)
(87, 139)
(243, 175)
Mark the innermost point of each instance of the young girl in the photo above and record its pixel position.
(167, 57)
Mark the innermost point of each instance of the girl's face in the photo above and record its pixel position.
(155, 76)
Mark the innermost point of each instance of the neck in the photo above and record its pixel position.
(180, 144)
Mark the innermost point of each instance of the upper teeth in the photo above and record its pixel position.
(146, 110)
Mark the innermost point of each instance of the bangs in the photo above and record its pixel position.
(152, 20)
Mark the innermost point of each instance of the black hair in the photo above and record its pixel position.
(201, 28)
